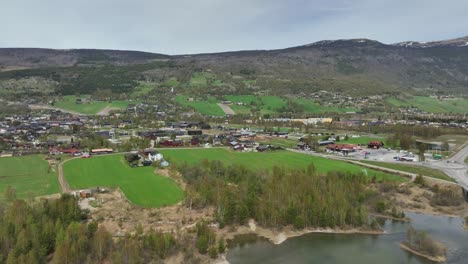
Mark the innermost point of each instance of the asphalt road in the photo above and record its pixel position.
(454, 166)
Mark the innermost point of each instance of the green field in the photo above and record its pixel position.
(143, 89)
(271, 104)
(363, 140)
(267, 160)
(90, 108)
(432, 105)
(208, 107)
(311, 106)
(200, 78)
(29, 175)
(140, 185)
(266, 104)
(280, 142)
(413, 169)
(262, 104)
(171, 83)
(203, 79)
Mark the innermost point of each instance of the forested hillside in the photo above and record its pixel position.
(56, 231)
(354, 67)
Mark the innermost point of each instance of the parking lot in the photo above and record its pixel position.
(381, 155)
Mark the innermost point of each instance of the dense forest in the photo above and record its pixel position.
(58, 231)
(302, 197)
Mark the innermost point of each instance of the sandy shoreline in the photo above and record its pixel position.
(279, 236)
(432, 258)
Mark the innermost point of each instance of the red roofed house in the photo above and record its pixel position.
(375, 144)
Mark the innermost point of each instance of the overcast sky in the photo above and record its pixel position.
(195, 26)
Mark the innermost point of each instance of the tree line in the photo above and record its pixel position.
(299, 197)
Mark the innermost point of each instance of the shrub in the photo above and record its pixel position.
(419, 180)
(221, 246)
(381, 206)
(447, 197)
(213, 252)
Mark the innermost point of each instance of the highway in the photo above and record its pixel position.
(454, 166)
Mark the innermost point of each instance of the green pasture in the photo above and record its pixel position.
(267, 160)
(272, 104)
(208, 107)
(432, 105)
(363, 140)
(140, 185)
(29, 175)
(89, 107)
(280, 142)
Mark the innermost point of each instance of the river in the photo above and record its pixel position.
(358, 248)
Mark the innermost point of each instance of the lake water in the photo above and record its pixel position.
(357, 248)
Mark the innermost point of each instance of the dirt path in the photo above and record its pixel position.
(226, 108)
(63, 183)
(106, 110)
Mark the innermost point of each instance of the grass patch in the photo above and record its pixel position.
(267, 160)
(171, 83)
(208, 107)
(311, 106)
(203, 79)
(91, 107)
(432, 105)
(272, 104)
(29, 175)
(362, 140)
(280, 142)
(143, 89)
(141, 185)
(265, 104)
(412, 169)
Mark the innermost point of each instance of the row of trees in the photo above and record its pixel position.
(301, 197)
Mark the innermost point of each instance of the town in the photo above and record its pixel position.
(222, 132)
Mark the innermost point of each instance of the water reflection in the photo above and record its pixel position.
(345, 248)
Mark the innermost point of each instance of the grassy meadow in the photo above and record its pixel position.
(90, 108)
(29, 175)
(267, 160)
(208, 107)
(280, 142)
(272, 104)
(432, 105)
(311, 106)
(140, 185)
(363, 140)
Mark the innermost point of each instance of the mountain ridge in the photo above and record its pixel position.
(454, 42)
(359, 65)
